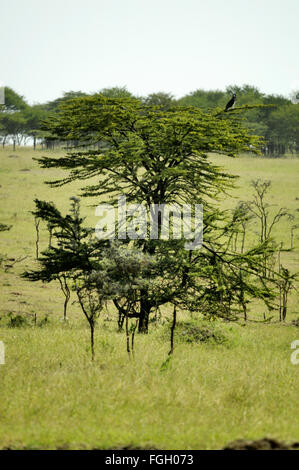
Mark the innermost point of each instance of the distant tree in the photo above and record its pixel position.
(116, 92)
(13, 126)
(205, 99)
(161, 99)
(283, 133)
(12, 120)
(276, 141)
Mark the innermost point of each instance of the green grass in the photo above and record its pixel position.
(211, 393)
(52, 396)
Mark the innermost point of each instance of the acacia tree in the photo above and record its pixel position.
(155, 156)
(260, 209)
(14, 125)
(12, 118)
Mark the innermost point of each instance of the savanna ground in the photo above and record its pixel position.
(239, 383)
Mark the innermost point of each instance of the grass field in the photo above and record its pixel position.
(53, 397)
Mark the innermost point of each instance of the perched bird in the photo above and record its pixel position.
(231, 102)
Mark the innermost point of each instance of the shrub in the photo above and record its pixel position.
(198, 332)
(17, 321)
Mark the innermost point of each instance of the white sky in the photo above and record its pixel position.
(178, 46)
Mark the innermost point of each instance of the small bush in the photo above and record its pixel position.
(17, 321)
(198, 332)
(191, 333)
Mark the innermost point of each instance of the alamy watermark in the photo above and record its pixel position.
(158, 221)
(295, 354)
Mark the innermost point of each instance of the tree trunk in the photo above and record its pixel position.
(66, 301)
(132, 339)
(91, 324)
(172, 331)
(145, 308)
(284, 306)
(128, 335)
(37, 222)
(244, 311)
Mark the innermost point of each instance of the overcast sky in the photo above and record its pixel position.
(178, 46)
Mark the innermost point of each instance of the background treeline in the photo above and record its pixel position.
(21, 123)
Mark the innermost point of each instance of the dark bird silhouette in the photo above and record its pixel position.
(231, 102)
